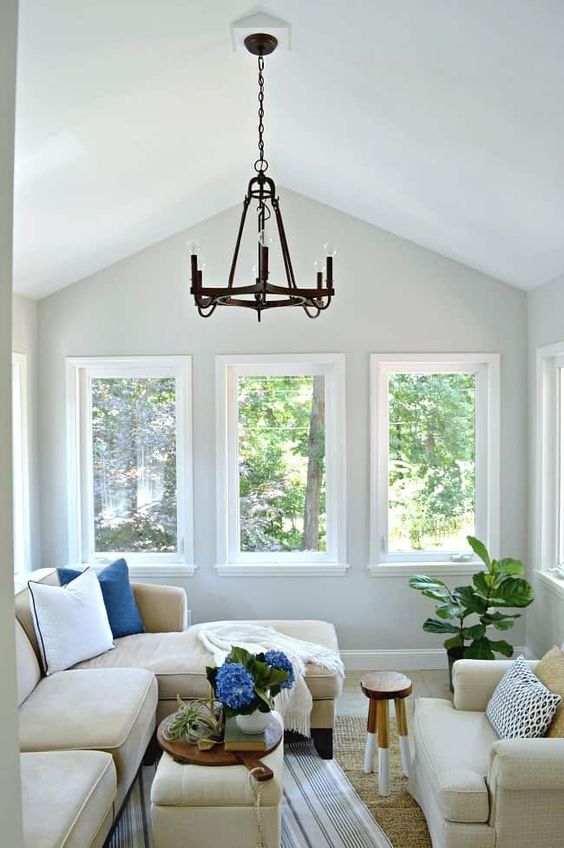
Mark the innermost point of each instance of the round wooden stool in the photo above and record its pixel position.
(381, 687)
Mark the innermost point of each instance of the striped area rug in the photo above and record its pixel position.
(320, 808)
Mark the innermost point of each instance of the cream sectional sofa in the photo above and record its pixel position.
(84, 732)
(478, 791)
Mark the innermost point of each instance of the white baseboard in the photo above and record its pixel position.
(404, 659)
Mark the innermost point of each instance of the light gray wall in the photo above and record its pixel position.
(10, 808)
(24, 340)
(391, 296)
(545, 622)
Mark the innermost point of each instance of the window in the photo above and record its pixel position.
(549, 507)
(20, 463)
(281, 464)
(130, 477)
(435, 456)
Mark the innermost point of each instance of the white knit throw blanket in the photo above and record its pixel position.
(293, 704)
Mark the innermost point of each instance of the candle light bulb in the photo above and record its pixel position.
(254, 272)
(319, 266)
(328, 249)
(202, 263)
(264, 238)
(193, 246)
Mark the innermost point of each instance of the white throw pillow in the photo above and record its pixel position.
(521, 706)
(71, 622)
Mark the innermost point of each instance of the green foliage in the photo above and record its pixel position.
(274, 452)
(134, 464)
(268, 681)
(432, 459)
(498, 586)
(196, 720)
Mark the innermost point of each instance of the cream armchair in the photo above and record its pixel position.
(478, 791)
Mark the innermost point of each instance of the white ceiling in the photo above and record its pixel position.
(441, 121)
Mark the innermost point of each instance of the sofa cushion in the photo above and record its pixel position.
(22, 600)
(119, 599)
(67, 798)
(452, 749)
(71, 622)
(28, 671)
(106, 709)
(179, 659)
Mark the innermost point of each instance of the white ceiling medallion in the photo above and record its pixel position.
(260, 22)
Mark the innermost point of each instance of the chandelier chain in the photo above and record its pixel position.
(261, 164)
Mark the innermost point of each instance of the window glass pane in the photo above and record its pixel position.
(281, 432)
(134, 464)
(432, 461)
(18, 454)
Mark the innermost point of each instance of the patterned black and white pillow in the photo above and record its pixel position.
(521, 706)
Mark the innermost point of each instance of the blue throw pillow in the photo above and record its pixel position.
(119, 599)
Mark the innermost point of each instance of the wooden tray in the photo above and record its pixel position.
(186, 752)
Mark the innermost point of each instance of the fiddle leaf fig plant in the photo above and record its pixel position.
(497, 588)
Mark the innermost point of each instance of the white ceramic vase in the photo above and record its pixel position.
(256, 722)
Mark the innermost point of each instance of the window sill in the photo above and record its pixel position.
(433, 569)
(553, 584)
(154, 569)
(275, 569)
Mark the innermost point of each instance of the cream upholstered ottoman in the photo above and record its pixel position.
(211, 807)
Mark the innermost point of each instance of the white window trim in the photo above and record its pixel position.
(20, 360)
(547, 466)
(232, 563)
(487, 367)
(79, 474)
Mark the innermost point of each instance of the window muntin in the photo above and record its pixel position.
(20, 463)
(414, 387)
(129, 461)
(291, 386)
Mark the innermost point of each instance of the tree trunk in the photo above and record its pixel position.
(315, 464)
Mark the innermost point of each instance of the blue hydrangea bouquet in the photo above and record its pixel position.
(248, 683)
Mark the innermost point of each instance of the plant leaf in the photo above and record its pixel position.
(501, 647)
(479, 650)
(512, 592)
(480, 550)
(469, 599)
(510, 566)
(453, 642)
(476, 631)
(450, 610)
(431, 587)
(432, 625)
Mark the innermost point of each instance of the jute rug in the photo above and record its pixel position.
(320, 808)
(398, 814)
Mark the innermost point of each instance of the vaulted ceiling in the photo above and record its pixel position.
(441, 121)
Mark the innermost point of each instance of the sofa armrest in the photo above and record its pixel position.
(162, 608)
(474, 682)
(526, 764)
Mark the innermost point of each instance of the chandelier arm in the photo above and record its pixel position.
(246, 202)
(306, 307)
(284, 244)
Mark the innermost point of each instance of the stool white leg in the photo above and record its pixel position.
(401, 718)
(370, 738)
(384, 771)
(383, 750)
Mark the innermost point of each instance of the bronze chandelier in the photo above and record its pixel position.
(262, 294)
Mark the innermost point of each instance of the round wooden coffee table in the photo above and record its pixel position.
(381, 687)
